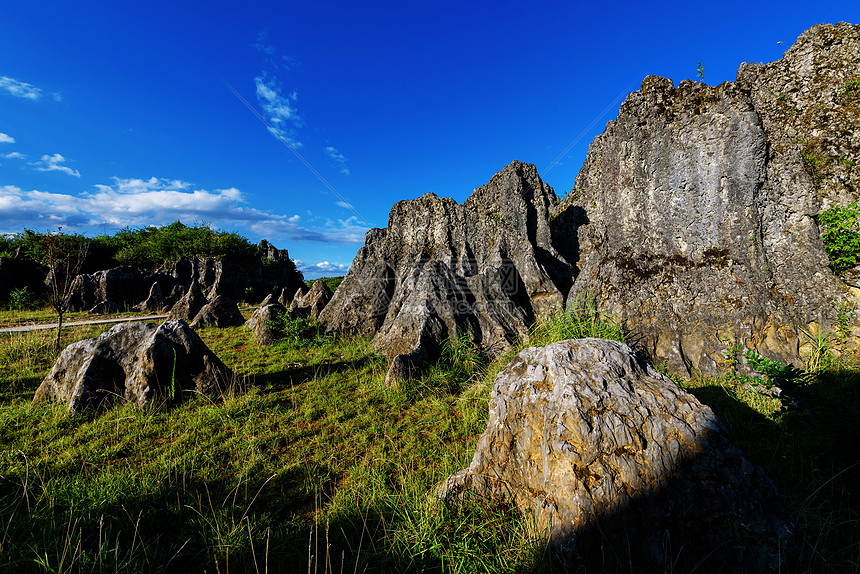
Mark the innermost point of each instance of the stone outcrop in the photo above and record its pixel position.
(693, 219)
(140, 362)
(312, 303)
(120, 286)
(189, 305)
(259, 322)
(155, 301)
(219, 311)
(485, 268)
(620, 466)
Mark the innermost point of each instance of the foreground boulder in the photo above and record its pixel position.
(693, 219)
(620, 466)
(140, 362)
(485, 269)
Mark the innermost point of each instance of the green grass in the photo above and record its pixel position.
(320, 467)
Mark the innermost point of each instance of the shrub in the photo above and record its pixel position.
(22, 299)
(840, 233)
(296, 331)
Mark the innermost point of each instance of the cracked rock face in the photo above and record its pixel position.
(485, 268)
(140, 362)
(693, 219)
(613, 459)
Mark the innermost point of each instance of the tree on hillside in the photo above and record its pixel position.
(63, 255)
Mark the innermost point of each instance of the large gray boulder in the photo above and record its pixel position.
(485, 269)
(621, 467)
(693, 219)
(140, 362)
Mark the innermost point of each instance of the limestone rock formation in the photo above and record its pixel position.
(155, 301)
(620, 466)
(119, 286)
(312, 303)
(219, 311)
(693, 219)
(233, 277)
(259, 321)
(140, 362)
(189, 305)
(485, 268)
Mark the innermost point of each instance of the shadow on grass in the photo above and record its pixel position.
(298, 373)
(811, 451)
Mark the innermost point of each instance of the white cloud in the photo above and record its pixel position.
(339, 158)
(4, 138)
(13, 155)
(54, 163)
(280, 110)
(322, 268)
(20, 89)
(154, 201)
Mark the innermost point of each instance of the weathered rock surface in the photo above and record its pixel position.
(219, 311)
(141, 362)
(155, 301)
(693, 219)
(189, 305)
(618, 464)
(481, 268)
(121, 286)
(259, 321)
(312, 303)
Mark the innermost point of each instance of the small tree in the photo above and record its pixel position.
(64, 255)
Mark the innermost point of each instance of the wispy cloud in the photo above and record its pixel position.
(279, 109)
(5, 138)
(55, 163)
(20, 89)
(339, 158)
(155, 201)
(13, 155)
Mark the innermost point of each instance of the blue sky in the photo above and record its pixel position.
(117, 114)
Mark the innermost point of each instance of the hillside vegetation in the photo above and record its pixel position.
(146, 247)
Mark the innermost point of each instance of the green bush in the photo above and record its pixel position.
(22, 299)
(296, 331)
(840, 232)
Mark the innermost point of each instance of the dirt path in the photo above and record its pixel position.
(43, 326)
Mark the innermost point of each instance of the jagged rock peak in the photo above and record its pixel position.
(484, 268)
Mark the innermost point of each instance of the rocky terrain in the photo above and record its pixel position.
(693, 219)
(693, 222)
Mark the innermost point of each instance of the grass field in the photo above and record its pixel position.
(319, 467)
